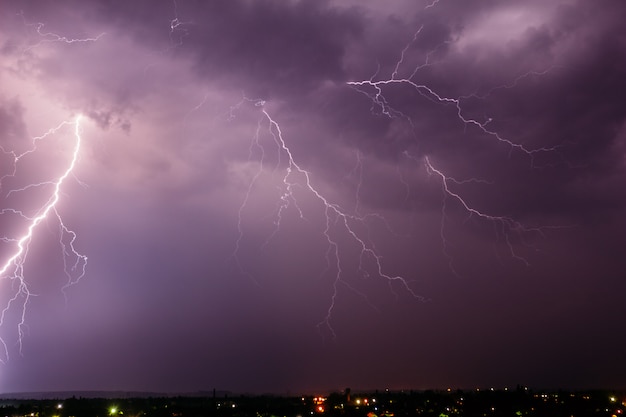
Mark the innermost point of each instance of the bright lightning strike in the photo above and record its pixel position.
(12, 270)
(505, 227)
(349, 231)
(45, 36)
(341, 226)
(379, 100)
(346, 231)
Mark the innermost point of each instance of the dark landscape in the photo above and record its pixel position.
(520, 401)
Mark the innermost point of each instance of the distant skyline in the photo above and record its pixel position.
(291, 196)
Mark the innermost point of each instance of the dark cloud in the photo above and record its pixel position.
(267, 48)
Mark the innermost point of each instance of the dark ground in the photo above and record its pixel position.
(516, 402)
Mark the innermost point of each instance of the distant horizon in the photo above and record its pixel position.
(52, 395)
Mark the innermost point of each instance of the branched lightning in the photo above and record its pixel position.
(336, 218)
(25, 220)
(381, 103)
(379, 100)
(13, 268)
(177, 28)
(51, 37)
(505, 227)
(352, 223)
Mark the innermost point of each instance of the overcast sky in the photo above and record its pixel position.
(278, 196)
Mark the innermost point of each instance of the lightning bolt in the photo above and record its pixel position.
(51, 37)
(379, 100)
(374, 90)
(505, 226)
(350, 227)
(177, 28)
(346, 230)
(339, 223)
(21, 222)
(433, 4)
(12, 270)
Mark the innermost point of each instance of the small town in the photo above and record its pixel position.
(518, 401)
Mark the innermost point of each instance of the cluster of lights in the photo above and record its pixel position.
(229, 404)
(364, 401)
(320, 404)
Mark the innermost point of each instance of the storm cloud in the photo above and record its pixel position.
(309, 195)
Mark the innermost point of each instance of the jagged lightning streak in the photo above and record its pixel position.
(24, 223)
(379, 100)
(433, 4)
(506, 225)
(508, 231)
(13, 268)
(296, 177)
(253, 145)
(177, 28)
(51, 37)
(374, 90)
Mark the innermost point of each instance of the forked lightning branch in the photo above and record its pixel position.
(28, 223)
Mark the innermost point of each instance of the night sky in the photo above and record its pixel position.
(290, 196)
